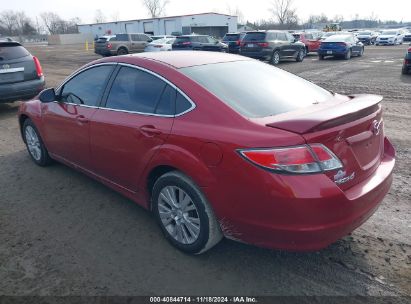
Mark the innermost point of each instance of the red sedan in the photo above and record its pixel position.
(312, 44)
(218, 145)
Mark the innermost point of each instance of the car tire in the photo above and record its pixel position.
(300, 55)
(347, 55)
(275, 58)
(404, 70)
(320, 57)
(122, 51)
(184, 214)
(361, 52)
(35, 145)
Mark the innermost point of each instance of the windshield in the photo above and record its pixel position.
(255, 89)
(364, 33)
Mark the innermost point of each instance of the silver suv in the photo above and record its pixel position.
(121, 44)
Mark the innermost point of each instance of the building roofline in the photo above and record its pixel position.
(165, 17)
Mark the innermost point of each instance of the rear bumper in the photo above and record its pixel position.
(264, 54)
(385, 42)
(325, 52)
(313, 214)
(105, 52)
(21, 90)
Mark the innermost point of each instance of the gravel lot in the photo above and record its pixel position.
(62, 233)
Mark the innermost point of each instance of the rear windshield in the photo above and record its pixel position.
(9, 52)
(254, 37)
(102, 39)
(255, 89)
(231, 37)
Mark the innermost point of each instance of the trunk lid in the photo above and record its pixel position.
(352, 128)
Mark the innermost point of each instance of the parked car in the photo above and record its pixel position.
(121, 44)
(367, 37)
(21, 75)
(250, 153)
(273, 46)
(199, 43)
(161, 37)
(311, 43)
(406, 67)
(164, 44)
(390, 37)
(233, 40)
(345, 45)
(407, 36)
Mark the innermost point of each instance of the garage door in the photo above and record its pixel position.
(148, 28)
(170, 26)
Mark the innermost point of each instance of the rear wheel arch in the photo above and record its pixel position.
(22, 119)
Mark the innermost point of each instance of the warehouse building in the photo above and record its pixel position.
(212, 24)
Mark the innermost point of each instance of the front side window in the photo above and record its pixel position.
(87, 87)
(135, 90)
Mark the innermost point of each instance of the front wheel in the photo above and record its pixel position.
(184, 214)
(320, 57)
(35, 145)
(347, 55)
(300, 56)
(361, 52)
(275, 59)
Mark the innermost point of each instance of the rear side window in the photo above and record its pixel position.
(272, 36)
(136, 91)
(256, 89)
(309, 36)
(87, 87)
(135, 37)
(12, 51)
(182, 104)
(282, 36)
(166, 104)
(254, 37)
(120, 37)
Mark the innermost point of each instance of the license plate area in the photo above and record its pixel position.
(329, 52)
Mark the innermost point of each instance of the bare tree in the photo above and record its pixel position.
(51, 21)
(8, 21)
(156, 8)
(236, 12)
(99, 17)
(284, 12)
(115, 16)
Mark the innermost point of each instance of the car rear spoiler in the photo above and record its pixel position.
(356, 107)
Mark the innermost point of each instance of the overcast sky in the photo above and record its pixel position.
(253, 10)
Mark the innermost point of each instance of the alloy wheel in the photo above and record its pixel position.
(33, 142)
(179, 215)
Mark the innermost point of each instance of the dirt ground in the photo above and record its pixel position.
(62, 233)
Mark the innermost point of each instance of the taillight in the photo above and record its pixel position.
(238, 42)
(342, 44)
(109, 45)
(157, 46)
(313, 158)
(406, 61)
(37, 64)
(409, 50)
(263, 44)
(186, 43)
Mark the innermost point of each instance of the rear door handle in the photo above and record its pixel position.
(82, 118)
(150, 130)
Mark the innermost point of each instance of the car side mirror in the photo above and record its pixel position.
(150, 40)
(48, 95)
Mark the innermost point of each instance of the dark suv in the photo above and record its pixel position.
(273, 46)
(233, 40)
(21, 75)
(406, 67)
(199, 43)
